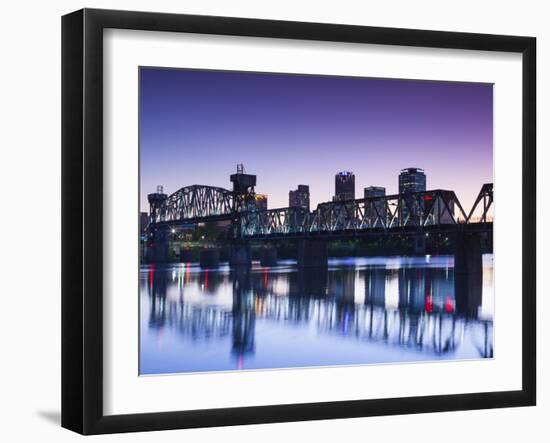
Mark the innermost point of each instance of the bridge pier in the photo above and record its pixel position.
(312, 253)
(240, 254)
(268, 256)
(468, 273)
(209, 258)
(157, 247)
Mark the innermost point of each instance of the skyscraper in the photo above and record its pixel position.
(299, 198)
(411, 180)
(344, 186)
(375, 211)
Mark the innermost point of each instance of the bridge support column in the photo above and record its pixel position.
(420, 244)
(209, 258)
(157, 247)
(240, 254)
(268, 256)
(468, 273)
(312, 253)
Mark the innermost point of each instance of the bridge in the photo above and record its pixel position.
(415, 215)
(416, 210)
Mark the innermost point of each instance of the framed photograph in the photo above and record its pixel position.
(268, 221)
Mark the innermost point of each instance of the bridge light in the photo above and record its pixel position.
(173, 231)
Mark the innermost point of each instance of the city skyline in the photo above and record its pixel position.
(285, 128)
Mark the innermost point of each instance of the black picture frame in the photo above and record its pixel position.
(82, 215)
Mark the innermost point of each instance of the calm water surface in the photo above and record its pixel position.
(358, 311)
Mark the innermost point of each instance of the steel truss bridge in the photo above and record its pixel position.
(193, 204)
(428, 211)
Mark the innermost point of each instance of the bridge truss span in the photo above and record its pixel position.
(417, 210)
(194, 203)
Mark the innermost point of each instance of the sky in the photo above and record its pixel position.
(197, 125)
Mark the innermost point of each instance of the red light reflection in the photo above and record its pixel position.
(429, 304)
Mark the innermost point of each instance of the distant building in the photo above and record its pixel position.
(260, 202)
(411, 180)
(299, 198)
(375, 211)
(374, 191)
(344, 186)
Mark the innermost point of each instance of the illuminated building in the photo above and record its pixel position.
(411, 180)
(299, 198)
(344, 186)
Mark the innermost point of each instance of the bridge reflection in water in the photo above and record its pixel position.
(356, 311)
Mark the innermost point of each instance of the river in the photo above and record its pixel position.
(357, 311)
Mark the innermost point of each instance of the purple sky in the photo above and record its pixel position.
(195, 126)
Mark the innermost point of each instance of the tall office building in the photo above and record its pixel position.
(377, 212)
(299, 198)
(411, 180)
(344, 186)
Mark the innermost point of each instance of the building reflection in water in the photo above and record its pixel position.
(407, 303)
